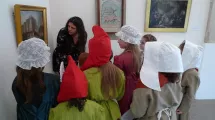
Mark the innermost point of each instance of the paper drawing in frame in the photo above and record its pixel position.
(110, 14)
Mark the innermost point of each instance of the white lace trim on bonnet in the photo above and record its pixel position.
(159, 57)
(129, 34)
(191, 55)
(33, 53)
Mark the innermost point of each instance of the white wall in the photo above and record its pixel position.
(86, 9)
(8, 54)
(212, 24)
(135, 15)
(62, 10)
(207, 72)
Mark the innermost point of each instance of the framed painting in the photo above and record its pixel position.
(167, 15)
(31, 21)
(111, 14)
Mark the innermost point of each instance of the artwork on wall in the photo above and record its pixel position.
(111, 14)
(167, 15)
(31, 21)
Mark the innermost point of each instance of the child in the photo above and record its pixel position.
(72, 97)
(191, 56)
(146, 38)
(106, 81)
(35, 91)
(83, 57)
(158, 93)
(128, 62)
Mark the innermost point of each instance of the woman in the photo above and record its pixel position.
(158, 93)
(106, 81)
(72, 98)
(128, 62)
(71, 40)
(35, 92)
(191, 56)
(146, 38)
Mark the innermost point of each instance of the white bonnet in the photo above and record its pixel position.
(191, 55)
(129, 34)
(32, 53)
(159, 57)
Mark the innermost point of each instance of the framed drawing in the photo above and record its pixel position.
(167, 15)
(31, 21)
(111, 14)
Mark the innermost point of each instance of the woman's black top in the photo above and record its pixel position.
(65, 47)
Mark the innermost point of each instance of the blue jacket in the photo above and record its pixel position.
(49, 100)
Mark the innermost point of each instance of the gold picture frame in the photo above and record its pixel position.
(160, 19)
(30, 21)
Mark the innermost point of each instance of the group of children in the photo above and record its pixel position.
(138, 85)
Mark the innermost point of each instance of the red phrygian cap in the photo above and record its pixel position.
(74, 83)
(99, 49)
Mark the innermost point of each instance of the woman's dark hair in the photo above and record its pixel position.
(78, 103)
(82, 34)
(30, 83)
(172, 77)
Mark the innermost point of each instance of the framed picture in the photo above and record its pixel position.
(167, 15)
(111, 14)
(31, 21)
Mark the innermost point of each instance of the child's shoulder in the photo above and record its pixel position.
(93, 105)
(191, 72)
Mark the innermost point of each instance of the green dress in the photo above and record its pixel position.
(92, 111)
(111, 107)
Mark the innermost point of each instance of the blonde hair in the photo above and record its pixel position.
(134, 49)
(111, 76)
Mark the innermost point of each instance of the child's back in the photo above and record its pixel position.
(91, 111)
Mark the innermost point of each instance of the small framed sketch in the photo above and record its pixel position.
(111, 14)
(31, 21)
(167, 15)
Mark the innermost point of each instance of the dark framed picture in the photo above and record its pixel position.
(167, 15)
(110, 14)
(31, 21)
